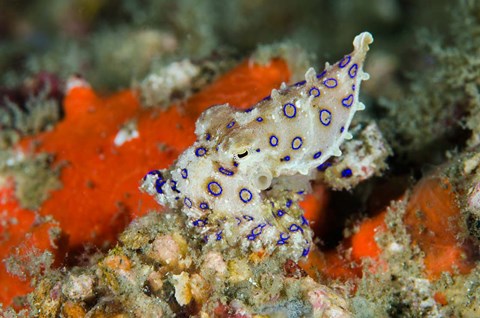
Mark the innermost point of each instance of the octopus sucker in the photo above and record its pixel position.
(247, 171)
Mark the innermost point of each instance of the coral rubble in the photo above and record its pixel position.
(159, 270)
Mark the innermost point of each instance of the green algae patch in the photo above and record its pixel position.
(33, 175)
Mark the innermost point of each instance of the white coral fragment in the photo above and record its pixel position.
(183, 293)
(157, 89)
(78, 287)
(127, 133)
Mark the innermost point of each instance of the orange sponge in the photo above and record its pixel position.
(433, 221)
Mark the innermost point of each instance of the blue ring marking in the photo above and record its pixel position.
(258, 229)
(324, 166)
(200, 152)
(304, 220)
(347, 173)
(273, 141)
(184, 173)
(295, 228)
(348, 101)
(299, 83)
(301, 192)
(286, 158)
(173, 186)
(297, 140)
(159, 184)
(225, 171)
(319, 76)
(203, 206)
(325, 117)
(283, 240)
(208, 136)
(248, 110)
(257, 150)
(352, 71)
(219, 235)
(231, 124)
(280, 213)
(306, 251)
(177, 198)
(259, 119)
(248, 217)
(315, 92)
(187, 202)
(344, 62)
(235, 164)
(330, 83)
(353, 87)
(288, 108)
(211, 188)
(155, 173)
(266, 98)
(317, 155)
(246, 192)
(251, 237)
(342, 129)
(238, 220)
(289, 203)
(200, 222)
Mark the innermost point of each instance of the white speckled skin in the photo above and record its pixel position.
(240, 182)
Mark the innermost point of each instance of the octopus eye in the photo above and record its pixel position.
(243, 154)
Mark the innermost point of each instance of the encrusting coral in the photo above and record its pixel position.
(442, 98)
(412, 257)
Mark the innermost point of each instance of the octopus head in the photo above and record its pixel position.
(244, 149)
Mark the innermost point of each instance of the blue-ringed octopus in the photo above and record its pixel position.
(240, 183)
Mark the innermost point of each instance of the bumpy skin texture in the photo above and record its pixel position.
(240, 182)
